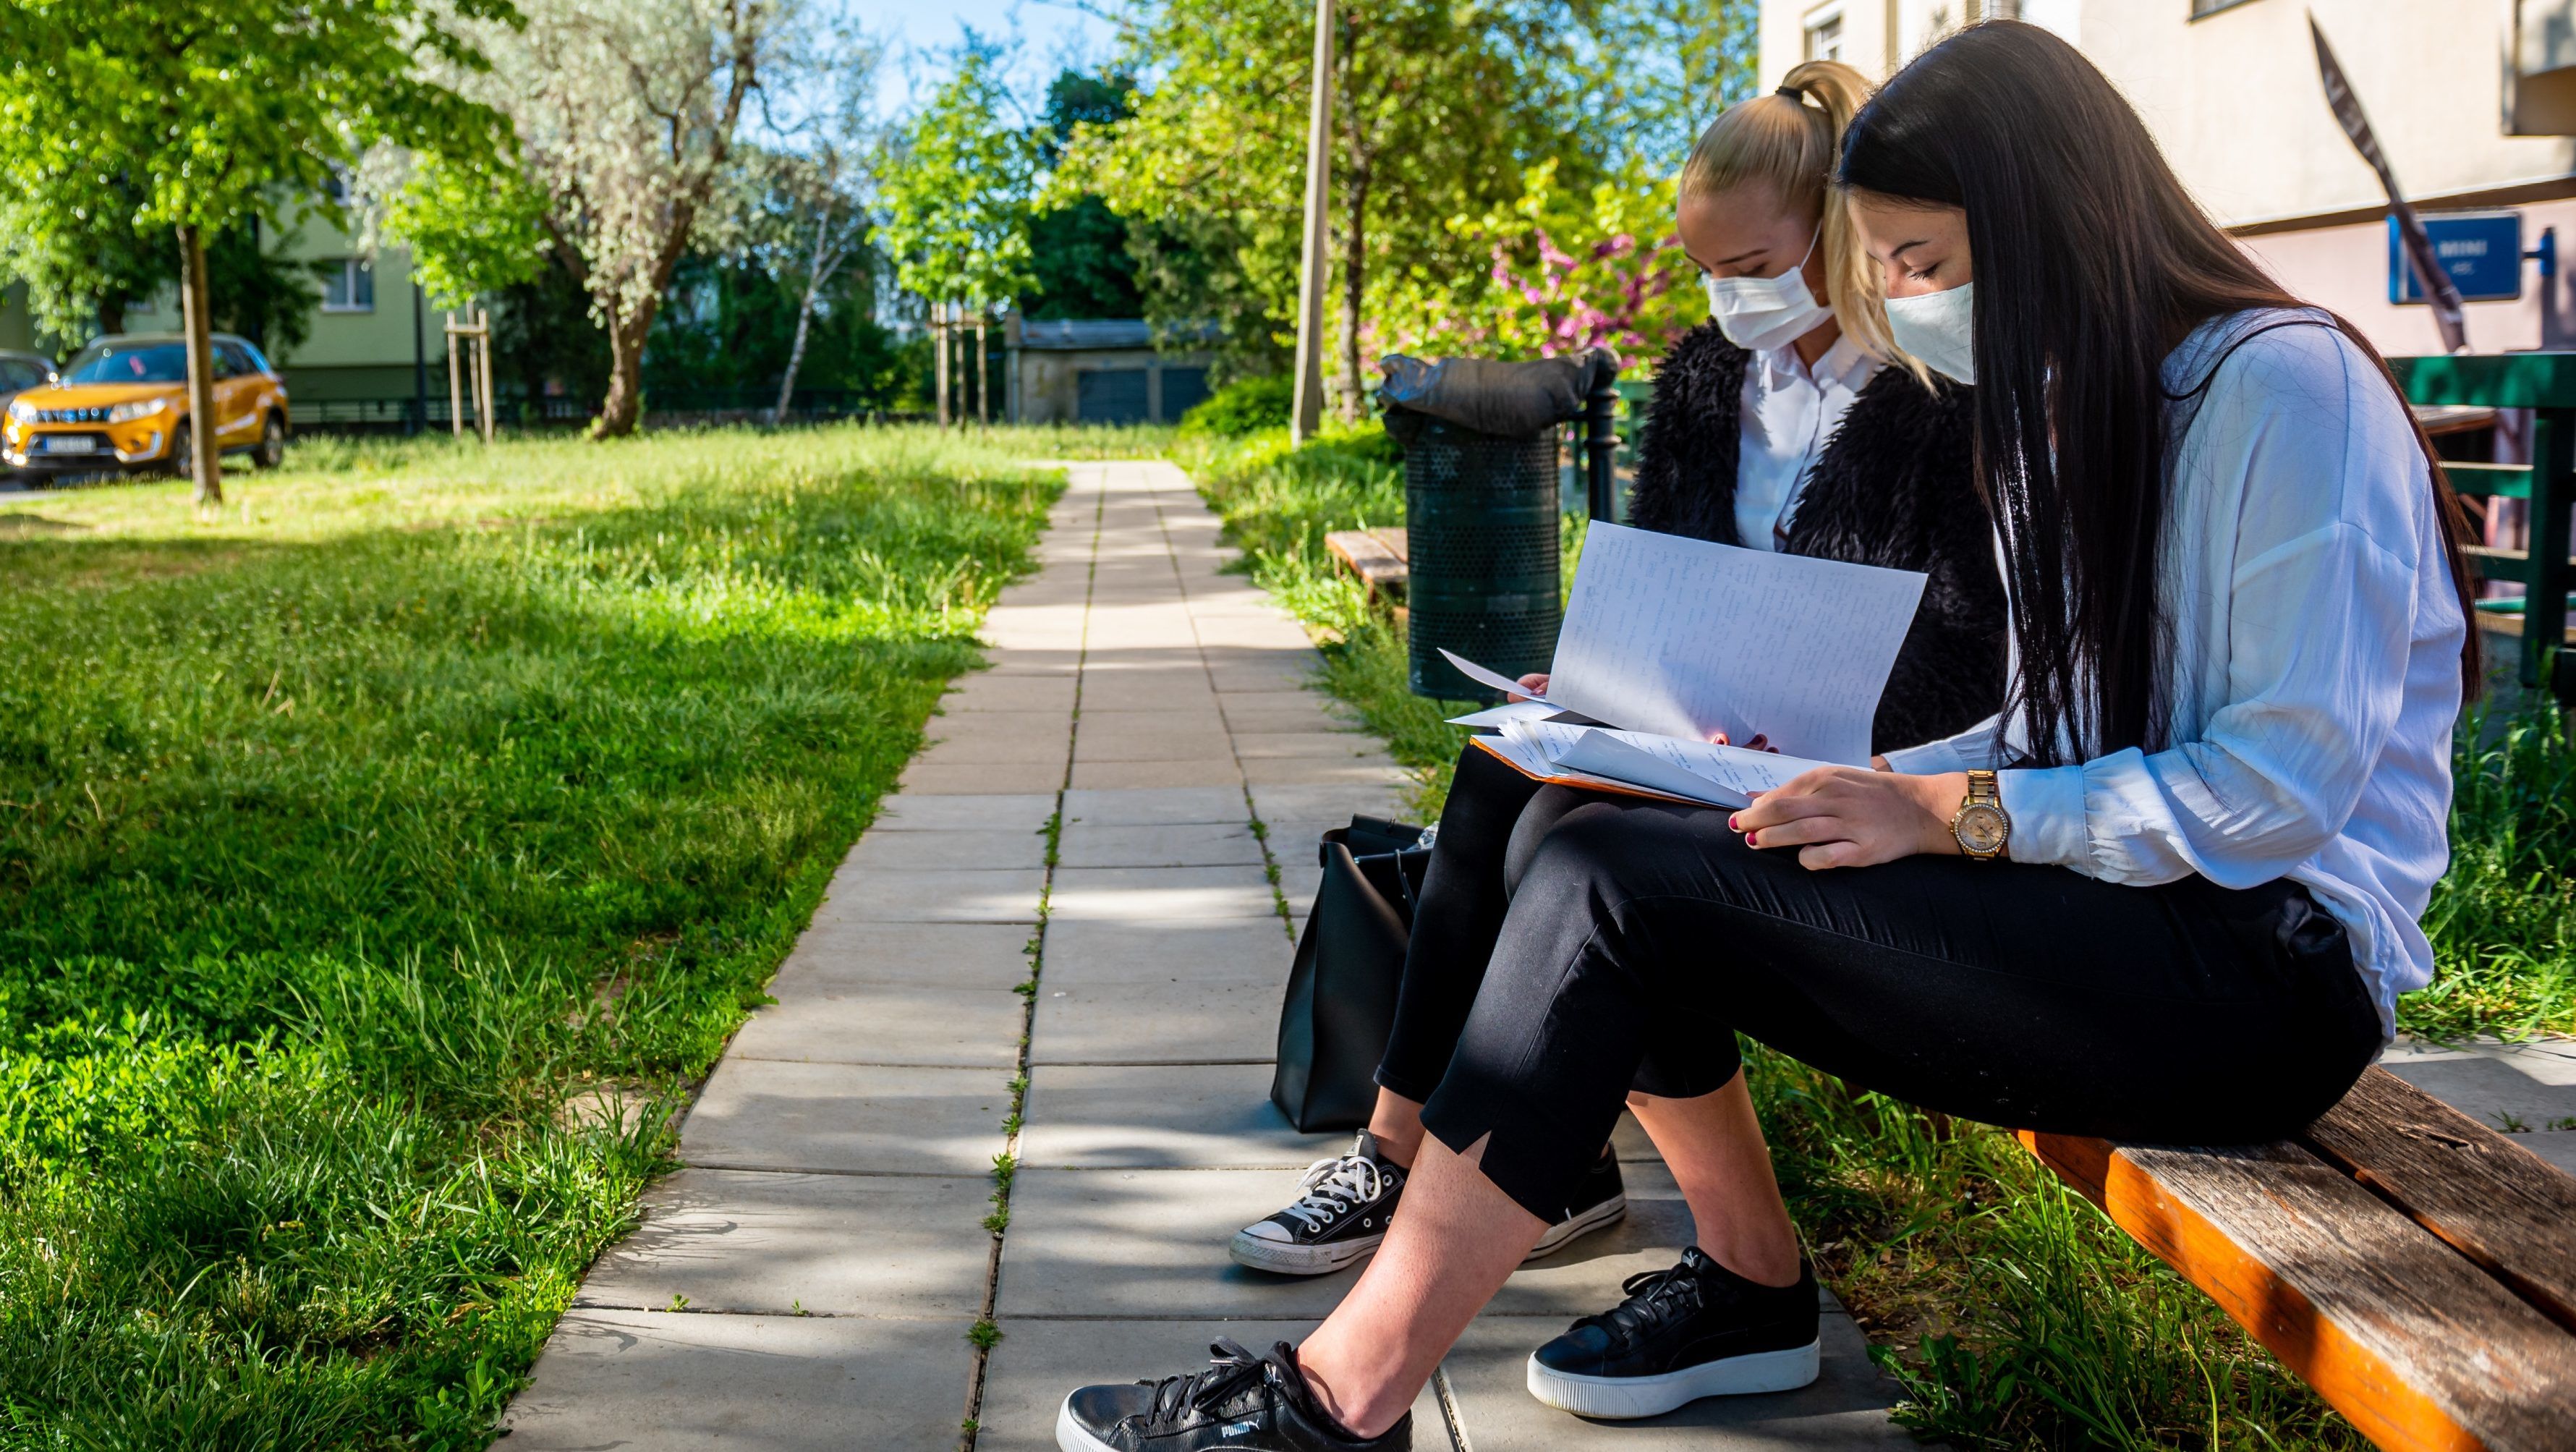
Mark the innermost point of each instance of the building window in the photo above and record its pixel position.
(2200, 8)
(348, 286)
(1825, 34)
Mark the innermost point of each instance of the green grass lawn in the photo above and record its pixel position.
(364, 851)
(2013, 1312)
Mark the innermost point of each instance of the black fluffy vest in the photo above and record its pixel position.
(1893, 487)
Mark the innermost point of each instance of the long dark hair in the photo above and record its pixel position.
(2092, 264)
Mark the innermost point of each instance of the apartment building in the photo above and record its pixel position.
(364, 340)
(2473, 101)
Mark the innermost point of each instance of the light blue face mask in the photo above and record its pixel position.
(1762, 313)
(1939, 328)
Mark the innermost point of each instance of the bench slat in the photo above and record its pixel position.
(1379, 563)
(2495, 1202)
(2411, 1342)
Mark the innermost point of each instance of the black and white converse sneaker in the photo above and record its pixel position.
(1599, 1199)
(1255, 1403)
(1697, 1330)
(1341, 1212)
(1344, 1205)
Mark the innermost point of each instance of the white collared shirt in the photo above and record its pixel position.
(1790, 410)
(2314, 661)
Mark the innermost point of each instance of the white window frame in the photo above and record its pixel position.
(350, 268)
(1816, 20)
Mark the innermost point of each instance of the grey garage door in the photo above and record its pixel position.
(1110, 396)
(1183, 389)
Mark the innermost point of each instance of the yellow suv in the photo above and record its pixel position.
(123, 404)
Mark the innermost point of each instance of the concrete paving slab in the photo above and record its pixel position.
(1334, 804)
(1120, 720)
(999, 738)
(2493, 1093)
(1168, 1116)
(640, 1381)
(1304, 716)
(919, 851)
(964, 812)
(756, 1242)
(1158, 894)
(2554, 1146)
(985, 691)
(1252, 745)
(768, 1114)
(1039, 1362)
(1843, 1411)
(882, 1023)
(1190, 844)
(1157, 1023)
(1145, 1242)
(930, 779)
(836, 957)
(1369, 770)
(937, 895)
(1231, 950)
(1138, 806)
(1118, 775)
(1180, 743)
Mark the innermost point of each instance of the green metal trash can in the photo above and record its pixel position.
(1481, 541)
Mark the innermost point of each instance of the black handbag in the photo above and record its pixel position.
(1341, 989)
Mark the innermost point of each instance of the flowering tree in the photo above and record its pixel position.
(1568, 269)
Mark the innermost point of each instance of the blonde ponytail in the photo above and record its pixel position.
(1791, 139)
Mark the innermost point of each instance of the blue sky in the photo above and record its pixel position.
(1052, 34)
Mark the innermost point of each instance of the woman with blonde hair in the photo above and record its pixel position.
(1780, 424)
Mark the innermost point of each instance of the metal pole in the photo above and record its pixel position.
(1601, 443)
(483, 366)
(419, 369)
(1309, 415)
(983, 379)
(455, 385)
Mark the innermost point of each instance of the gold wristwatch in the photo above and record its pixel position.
(1982, 826)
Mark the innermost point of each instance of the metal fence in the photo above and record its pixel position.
(669, 407)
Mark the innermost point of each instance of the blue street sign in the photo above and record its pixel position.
(2481, 250)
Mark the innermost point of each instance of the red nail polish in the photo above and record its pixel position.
(1731, 826)
(1752, 839)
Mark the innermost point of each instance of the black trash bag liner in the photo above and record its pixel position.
(1512, 400)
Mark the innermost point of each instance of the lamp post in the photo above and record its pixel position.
(1309, 414)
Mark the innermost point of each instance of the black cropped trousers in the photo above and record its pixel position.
(1598, 945)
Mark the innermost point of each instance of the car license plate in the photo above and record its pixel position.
(60, 444)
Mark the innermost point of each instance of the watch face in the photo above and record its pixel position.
(1981, 829)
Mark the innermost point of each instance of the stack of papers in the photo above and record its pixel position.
(1668, 641)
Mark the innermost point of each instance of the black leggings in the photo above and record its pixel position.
(1639, 938)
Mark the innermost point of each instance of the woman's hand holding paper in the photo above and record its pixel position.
(1842, 816)
(1535, 683)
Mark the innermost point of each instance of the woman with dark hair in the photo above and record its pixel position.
(2171, 894)
(1779, 424)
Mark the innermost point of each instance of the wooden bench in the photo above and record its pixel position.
(2415, 1267)
(1378, 556)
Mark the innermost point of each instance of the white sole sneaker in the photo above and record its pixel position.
(1609, 1212)
(1299, 1260)
(1623, 1398)
(1069, 1436)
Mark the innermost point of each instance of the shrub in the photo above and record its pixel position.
(1245, 406)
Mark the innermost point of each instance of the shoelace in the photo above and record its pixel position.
(1654, 1297)
(1333, 1186)
(1231, 1369)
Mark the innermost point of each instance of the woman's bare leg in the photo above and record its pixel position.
(1396, 1125)
(1713, 1145)
(1458, 1239)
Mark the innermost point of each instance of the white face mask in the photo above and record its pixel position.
(1762, 313)
(1939, 328)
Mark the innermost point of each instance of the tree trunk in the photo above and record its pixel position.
(205, 455)
(804, 318)
(111, 313)
(623, 409)
(939, 357)
(1354, 289)
(983, 379)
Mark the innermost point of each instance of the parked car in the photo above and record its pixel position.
(123, 404)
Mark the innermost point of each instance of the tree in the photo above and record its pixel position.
(1079, 257)
(194, 118)
(1439, 109)
(625, 113)
(814, 192)
(954, 198)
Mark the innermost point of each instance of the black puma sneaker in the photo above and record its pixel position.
(1256, 1403)
(1341, 1212)
(1697, 1330)
(1344, 1205)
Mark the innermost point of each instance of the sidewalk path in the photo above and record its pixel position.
(810, 1280)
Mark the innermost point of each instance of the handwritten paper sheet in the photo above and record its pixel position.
(1679, 637)
(1726, 776)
